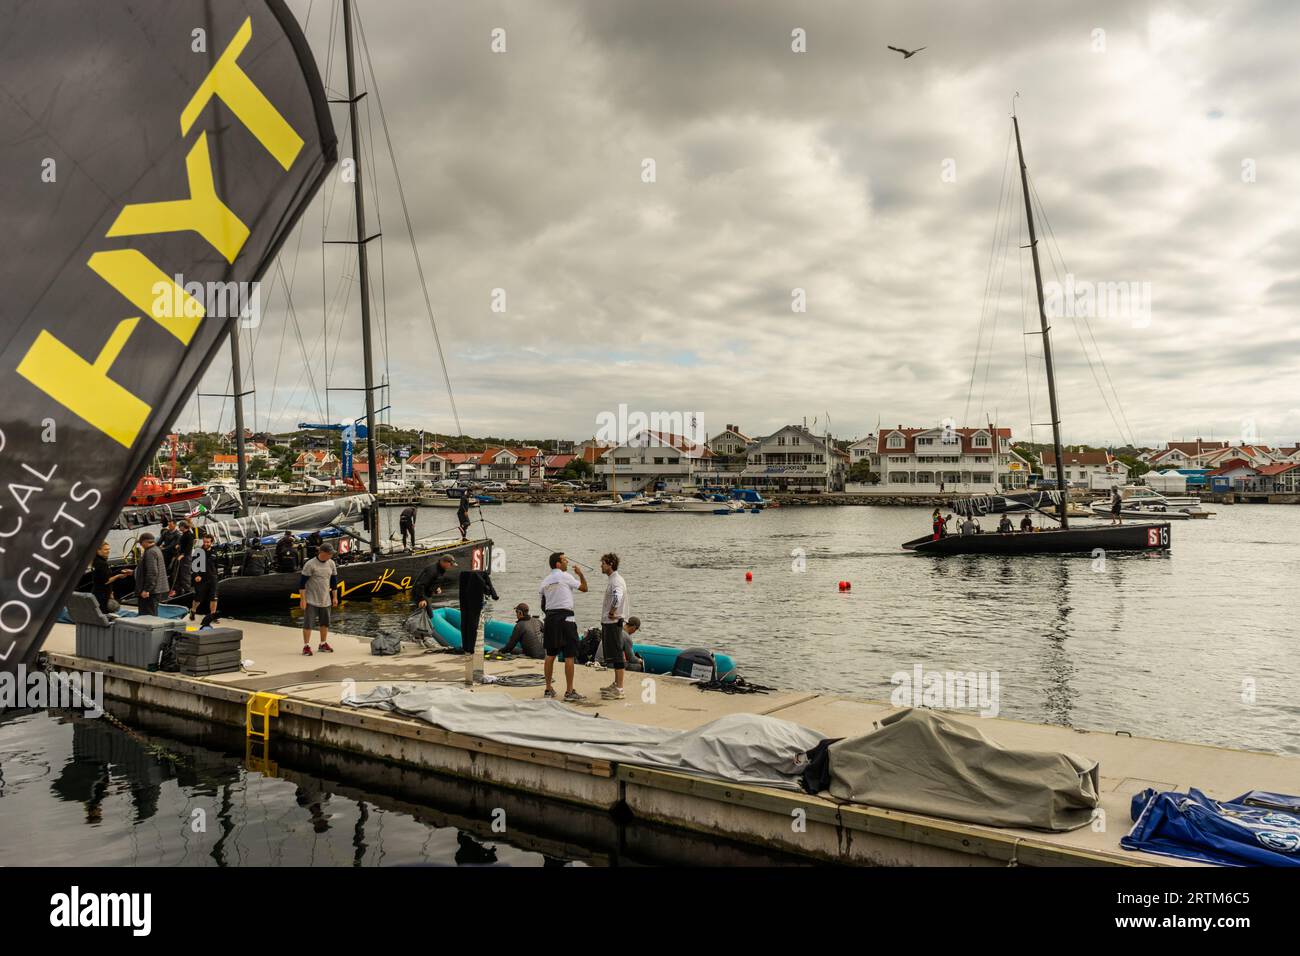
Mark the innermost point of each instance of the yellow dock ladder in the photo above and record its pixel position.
(264, 705)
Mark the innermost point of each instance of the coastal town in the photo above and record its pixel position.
(794, 459)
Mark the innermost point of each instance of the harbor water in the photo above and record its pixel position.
(1196, 645)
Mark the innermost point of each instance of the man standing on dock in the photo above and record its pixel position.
(150, 576)
(317, 593)
(613, 612)
(559, 630)
(407, 524)
(203, 573)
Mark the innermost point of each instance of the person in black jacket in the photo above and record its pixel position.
(407, 523)
(462, 514)
(286, 553)
(429, 584)
(475, 588)
(181, 578)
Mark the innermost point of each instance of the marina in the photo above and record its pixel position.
(309, 711)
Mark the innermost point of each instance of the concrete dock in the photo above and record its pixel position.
(790, 823)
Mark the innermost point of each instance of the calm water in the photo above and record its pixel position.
(1155, 645)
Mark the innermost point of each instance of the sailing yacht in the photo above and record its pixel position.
(1054, 504)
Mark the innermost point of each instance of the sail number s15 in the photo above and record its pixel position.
(1158, 537)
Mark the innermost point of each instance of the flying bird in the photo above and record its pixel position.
(907, 54)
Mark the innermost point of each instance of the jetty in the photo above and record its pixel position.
(309, 690)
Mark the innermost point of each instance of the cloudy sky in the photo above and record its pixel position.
(1163, 140)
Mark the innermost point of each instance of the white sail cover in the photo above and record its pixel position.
(320, 514)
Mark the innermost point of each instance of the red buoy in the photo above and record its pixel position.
(749, 575)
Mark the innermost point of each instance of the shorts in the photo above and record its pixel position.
(560, 635)
(611, 641)
(205, 591)
(314, 617)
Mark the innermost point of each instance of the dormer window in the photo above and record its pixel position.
(981, 441)
(896, 441)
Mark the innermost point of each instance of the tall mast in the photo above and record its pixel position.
(359, 195)
(1047, 334)
(237, 383)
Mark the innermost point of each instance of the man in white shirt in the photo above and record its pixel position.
(613, 612)
(559, 630)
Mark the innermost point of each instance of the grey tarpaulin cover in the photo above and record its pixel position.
(923, 762)
(738, 748)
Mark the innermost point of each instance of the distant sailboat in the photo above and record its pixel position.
(1062, 540)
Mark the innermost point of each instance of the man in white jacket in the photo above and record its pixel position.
(613, 612)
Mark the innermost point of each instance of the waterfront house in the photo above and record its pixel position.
(1224, 477)
(934, 460)
(864, 449)
(795, 459)
(653, 461)
(225, 464)
(1183, 454)
(1086, 469)
(511, 464)
(1276, 478)
(428, 466)
(554, 464)
(729, 442)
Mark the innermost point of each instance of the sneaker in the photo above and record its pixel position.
(325, 648)
(306, 650)
(573, 696)
(549, 693)
(612, 693)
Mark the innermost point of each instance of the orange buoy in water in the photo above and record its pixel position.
(749, 575)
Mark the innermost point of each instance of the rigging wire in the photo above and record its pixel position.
(988, 277)
(410, 229)
(1058, 268)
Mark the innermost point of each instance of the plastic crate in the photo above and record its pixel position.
(138, 641)
(95, 641)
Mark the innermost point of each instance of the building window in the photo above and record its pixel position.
(925, 441)
(896, 441)
(981, 441)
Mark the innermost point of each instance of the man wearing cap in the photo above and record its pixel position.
(318, 592)
(527, 635)
(150, 575)
(429, 584)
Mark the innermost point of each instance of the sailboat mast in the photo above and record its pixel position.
(1047, 334)
(237, 387)
(359, 195)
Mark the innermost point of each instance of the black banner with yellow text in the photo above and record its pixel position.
(154, 157)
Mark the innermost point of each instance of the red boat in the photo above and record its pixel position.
(150, 490)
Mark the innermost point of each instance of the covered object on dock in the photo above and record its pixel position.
(920, 761)
(738, 748)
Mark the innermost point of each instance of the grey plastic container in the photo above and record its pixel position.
(95, 641)
(138, 641)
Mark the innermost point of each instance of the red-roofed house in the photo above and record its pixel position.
(225, 464)
(318, 464)
(556, 464)
(428, 465)
(1086, 469)
(511, 464)
(944, 460)
(1281, 477)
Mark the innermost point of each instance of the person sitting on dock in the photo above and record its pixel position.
(1004, 526)
(406, 521)
(429, 583)
(1026, 524)
(286, 553)
(527, 635)
(627, 653)
(559, 630)
(317, 593)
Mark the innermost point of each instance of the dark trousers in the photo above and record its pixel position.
(469, 619)
(408, 529)
(611, 640)
(148, 605)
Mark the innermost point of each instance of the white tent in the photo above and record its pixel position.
(1166, 482)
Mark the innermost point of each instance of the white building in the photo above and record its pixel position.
(1086, 469)
(862, 450)
(654, 461)
(942, 460)
(729, 442)
(794, 459)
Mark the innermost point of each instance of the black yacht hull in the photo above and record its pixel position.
(1122, 537)
(388, 576)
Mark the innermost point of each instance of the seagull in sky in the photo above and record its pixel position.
(907, 54)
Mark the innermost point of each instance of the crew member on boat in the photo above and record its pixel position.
(1004, 526)
(1116, 507)
(462, 515)
(286, 553)
(406, 521)
(1026, 524)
